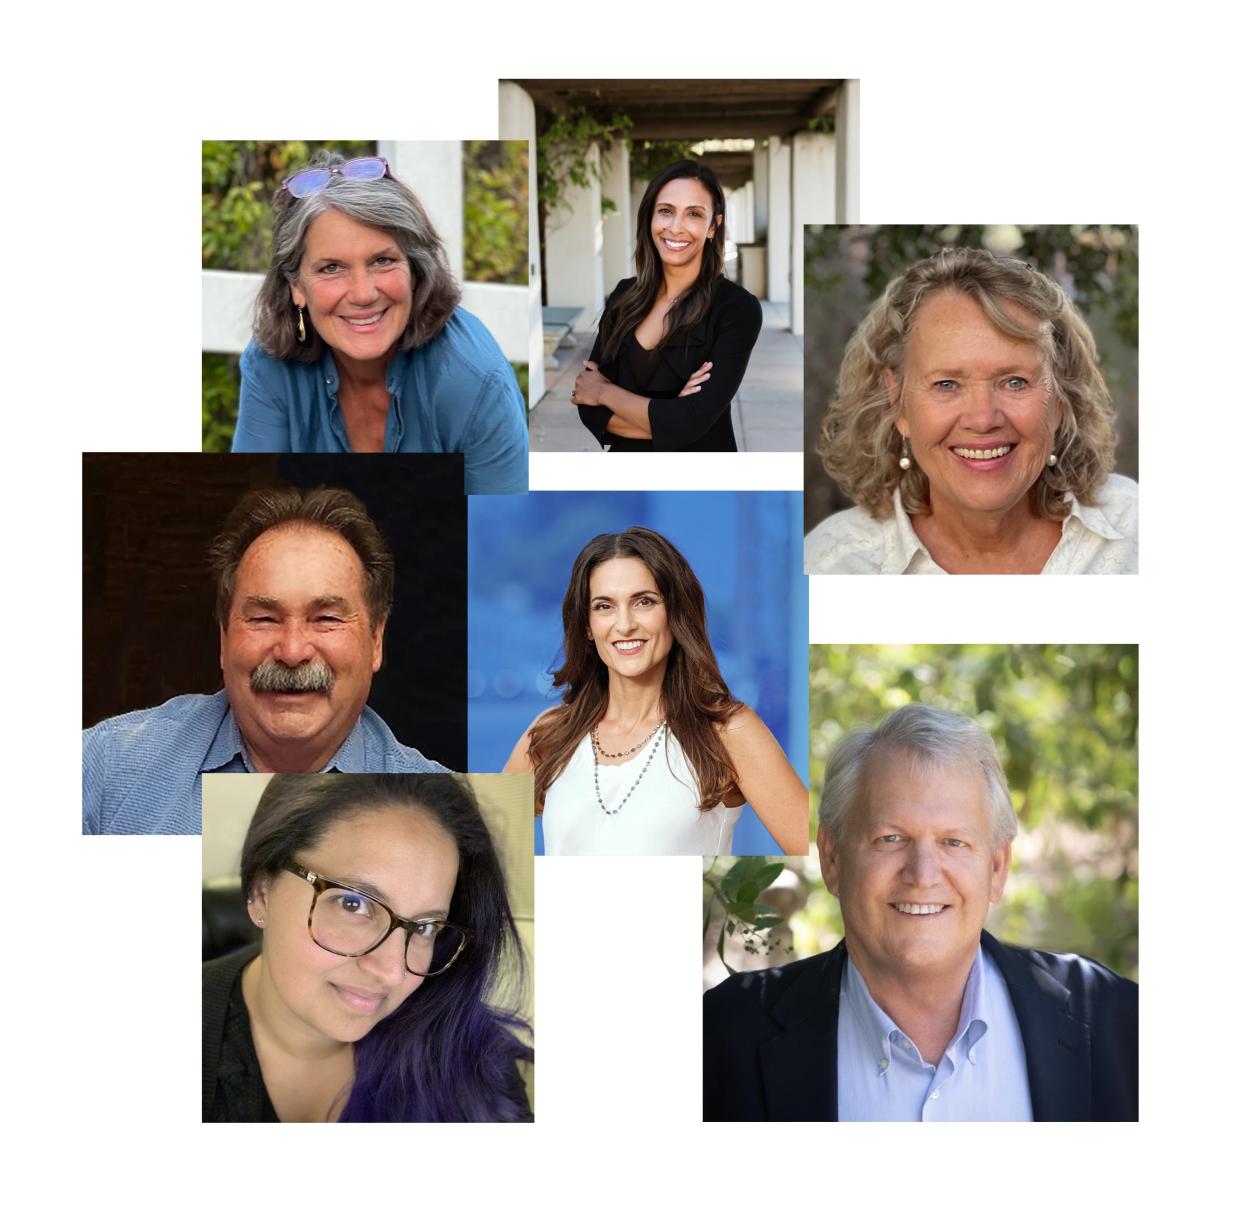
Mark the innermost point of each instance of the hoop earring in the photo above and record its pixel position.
(301, 326)
(904, 460)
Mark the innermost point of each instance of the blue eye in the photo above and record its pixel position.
(1016, 383)
(946, 385)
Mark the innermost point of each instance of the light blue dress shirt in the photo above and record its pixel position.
(142, 772)
(981, 1077)
(456, 394)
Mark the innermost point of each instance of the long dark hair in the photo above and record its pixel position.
(695, 698)
(629, 308)
(444, 1055)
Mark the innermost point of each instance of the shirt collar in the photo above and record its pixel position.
(902, 545)
(228, 745)
(878, 1028)
(394, 379)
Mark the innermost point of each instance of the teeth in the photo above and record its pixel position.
(629, 645)
(365, 321)
(676, 245)
(981, 454)
(919, 908)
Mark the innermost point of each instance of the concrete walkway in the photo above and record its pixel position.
(767, 410)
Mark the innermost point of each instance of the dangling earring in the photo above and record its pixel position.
(301, 326)
(904, 460)
(1052, 459)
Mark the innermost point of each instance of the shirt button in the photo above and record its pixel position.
(905, 1045)
(935, 1094)
(883, 1064)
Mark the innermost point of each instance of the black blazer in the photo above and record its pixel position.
(770, 1038)
(699, 422)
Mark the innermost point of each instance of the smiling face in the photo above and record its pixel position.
(398, 855)
(299, 650)
(974, 406)
(356, 284)
(628, 621)
(915, 870)
(683, 222)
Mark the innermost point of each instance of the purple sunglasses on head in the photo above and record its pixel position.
(311, 181)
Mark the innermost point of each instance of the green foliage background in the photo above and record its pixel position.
(240, 178)
(1065, 722)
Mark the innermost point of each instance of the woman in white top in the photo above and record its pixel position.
(648, 752)
(974, 430)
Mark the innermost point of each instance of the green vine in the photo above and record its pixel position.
(735, 898)
(563, 154)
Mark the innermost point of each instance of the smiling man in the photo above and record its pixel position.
(920, 1015)
(304, 583)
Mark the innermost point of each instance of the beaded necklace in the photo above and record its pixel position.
(659, 736)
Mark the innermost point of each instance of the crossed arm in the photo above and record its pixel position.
(629, 410)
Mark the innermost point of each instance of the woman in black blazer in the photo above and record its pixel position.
(674, 341)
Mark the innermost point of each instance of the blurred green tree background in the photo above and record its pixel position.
(1065, 722)
(240, 178)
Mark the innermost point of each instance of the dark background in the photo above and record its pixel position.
(149, 629)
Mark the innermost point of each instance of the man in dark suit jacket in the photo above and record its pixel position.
(916, 825)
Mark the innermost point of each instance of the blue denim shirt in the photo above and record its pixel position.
(142, 772)
(456, 394)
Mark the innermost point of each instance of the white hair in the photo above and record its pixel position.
(926, 735)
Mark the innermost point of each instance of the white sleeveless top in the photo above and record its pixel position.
(660, 818)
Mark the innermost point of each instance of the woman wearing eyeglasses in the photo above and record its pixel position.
(385, 923)
(360, 344)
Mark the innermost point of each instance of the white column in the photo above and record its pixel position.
(517, 122)
(847, 153)
(780, 218)
(574, 247)
(618, 225)
(432, 170)
(740, 215)
(638, 188)
(814, 202)
(761, 192)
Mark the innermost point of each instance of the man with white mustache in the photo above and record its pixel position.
(304, 583)
(919, 1014)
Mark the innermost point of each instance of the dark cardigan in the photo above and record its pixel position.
(698, 423)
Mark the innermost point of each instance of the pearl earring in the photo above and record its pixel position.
(904, 460)
(1052, 459)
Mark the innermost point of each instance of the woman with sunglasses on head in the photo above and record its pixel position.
(674, 341)
(385, 925)
(360, 344)
(648, 752)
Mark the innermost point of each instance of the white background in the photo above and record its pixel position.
(1034, 113)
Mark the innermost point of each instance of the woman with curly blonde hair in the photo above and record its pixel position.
(974, 430)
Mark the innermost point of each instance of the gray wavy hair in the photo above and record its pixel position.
(381, 203)
(859, 442)
(931, 738)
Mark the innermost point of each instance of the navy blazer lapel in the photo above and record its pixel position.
(1058, 1045)
(799, 1066)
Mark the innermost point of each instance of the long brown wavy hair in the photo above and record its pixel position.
(630, 307)
(694, 698)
